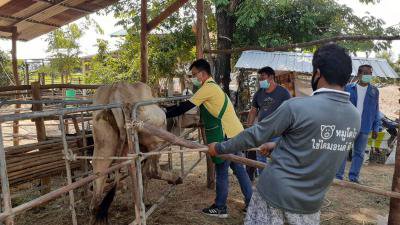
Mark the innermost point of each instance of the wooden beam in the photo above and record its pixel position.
(394, 213)
(82, 10)
(29, 20)
(164, 14)
(3, 2)
(307, 44)
(199, 29)
(6, 29)
(143, 42)
(38, 12)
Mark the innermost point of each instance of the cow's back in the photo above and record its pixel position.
(126, 93)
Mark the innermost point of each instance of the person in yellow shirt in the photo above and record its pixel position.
(220, 123)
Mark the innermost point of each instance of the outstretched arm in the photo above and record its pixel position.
(180, 109)
(272, 126)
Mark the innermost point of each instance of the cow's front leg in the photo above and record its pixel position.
(157, 173)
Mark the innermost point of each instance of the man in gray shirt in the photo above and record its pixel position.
(316, 134)
(265, 101)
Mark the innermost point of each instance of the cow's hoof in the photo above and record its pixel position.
(177, 181)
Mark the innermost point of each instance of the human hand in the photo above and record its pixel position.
(211, 149)
(374, 135)
(266, 149)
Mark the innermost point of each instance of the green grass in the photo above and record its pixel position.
(57, 80)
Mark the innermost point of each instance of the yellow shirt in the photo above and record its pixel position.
(212, 97)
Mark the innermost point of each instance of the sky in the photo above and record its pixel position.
(388, 10)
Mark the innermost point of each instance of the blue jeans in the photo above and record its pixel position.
(357, 160)
(222, 182)
(263, 159)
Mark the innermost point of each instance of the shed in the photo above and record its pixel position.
(301, 62)
(293, 68)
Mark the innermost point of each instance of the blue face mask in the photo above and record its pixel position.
(264, 84)
(366, 78)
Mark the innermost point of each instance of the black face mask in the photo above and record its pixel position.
(314, 83)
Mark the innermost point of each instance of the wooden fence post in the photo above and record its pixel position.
(26, 73)
(40, 129)
(394, 213)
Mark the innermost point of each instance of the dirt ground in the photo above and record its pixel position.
(183, 206)
(389, 100)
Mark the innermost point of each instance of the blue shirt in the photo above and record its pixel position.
(370, 119)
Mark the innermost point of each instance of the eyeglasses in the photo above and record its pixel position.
(193, 75)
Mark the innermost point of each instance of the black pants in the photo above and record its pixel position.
(251, 170)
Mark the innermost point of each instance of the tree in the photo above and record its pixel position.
(6, 77)
(225, 29)
(273, 23)
(64, 48)
(171, 45)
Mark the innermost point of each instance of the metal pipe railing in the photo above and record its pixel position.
(34, 115)
(45, 101)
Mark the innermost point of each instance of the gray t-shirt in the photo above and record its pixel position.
(267, 103)
(316, 134)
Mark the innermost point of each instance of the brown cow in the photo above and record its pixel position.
(110, 138)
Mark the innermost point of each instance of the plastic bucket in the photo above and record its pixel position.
(70, 94)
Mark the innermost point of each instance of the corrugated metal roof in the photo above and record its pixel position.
(33, 18)
(301, 62)
(120, 33)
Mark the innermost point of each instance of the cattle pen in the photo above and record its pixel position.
(32, 23)
(132, 161)
(70, 155)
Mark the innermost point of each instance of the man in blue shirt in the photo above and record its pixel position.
(365, 97)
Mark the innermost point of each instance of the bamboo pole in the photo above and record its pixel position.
(5, 188)
(136, 170)
(172, 138)
(306, 44)
(84, 165)
(68, 170)
(57, 193)
(132, 169)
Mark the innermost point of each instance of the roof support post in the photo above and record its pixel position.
(199, 29)
(17, 83)
(143, 42)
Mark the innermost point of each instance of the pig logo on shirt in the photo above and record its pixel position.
(327, 131)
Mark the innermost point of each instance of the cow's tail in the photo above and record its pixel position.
(102, 211)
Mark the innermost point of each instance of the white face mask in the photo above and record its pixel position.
(195, 82)
(366, 78)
